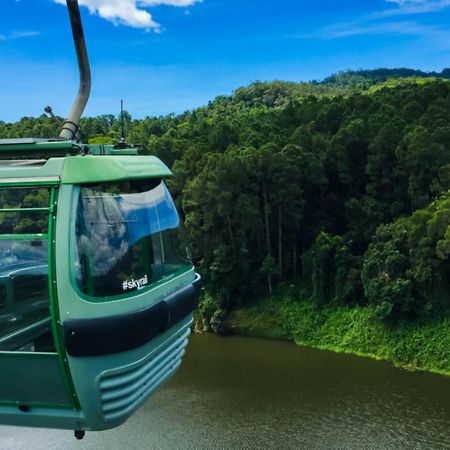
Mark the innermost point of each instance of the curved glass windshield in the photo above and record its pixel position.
(127, 238)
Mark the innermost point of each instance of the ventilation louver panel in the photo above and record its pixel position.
(124, 390)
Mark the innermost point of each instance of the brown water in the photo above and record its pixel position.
(243, 393)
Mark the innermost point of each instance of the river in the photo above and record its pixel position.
(245, 393)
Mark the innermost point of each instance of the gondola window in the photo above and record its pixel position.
(24, 294)
(127, 238)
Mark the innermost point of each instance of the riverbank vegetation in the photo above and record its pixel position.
(337, 189)
(418, 345)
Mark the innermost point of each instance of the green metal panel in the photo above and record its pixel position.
(27, 182)
(21, 149)
(12, 210)
(42, 416)
(100, 149)
(28, 378)
(45, 174)
(124, 151)
(23, 236)
(186, 269)
(84, 169)
(54, 310)
(97, 169)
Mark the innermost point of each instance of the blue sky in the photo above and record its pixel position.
(166, 56)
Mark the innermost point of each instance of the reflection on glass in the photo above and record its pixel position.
(23, 221)
(24, 297)
(127, 237)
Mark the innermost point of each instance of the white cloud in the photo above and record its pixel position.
(383, 22)
(359, 28)
(18, 35)
(415, 7)
(399, 28)
(433, 3)
(130, 12)
(23, 34)
(184, 3)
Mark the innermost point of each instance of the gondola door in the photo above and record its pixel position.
(32, 369)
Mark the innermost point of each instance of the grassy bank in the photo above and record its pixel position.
(414, 346)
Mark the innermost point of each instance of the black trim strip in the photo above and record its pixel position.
(120, 333)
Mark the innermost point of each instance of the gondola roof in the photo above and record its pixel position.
(36, 161)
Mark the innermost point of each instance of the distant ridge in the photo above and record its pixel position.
(280, 93)
(366, 77)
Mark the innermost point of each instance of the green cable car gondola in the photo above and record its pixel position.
(96, 286)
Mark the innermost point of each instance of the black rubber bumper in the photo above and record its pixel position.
(120, 333)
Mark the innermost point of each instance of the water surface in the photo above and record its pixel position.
(244, 393)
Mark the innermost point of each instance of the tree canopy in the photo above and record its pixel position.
(339, 188)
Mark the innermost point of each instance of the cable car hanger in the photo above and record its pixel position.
(97, 288)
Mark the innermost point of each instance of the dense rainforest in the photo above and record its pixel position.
(332, 194)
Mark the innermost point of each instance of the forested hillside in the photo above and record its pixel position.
(336, 191)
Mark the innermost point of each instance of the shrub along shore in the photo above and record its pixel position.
(410, 345)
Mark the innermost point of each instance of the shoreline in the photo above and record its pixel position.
(415, 347)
